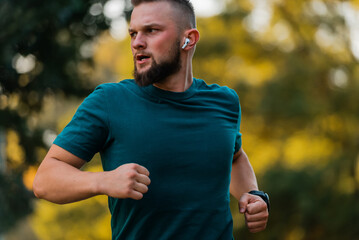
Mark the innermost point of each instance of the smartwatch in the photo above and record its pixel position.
(263, 195)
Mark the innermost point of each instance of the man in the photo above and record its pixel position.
(169, 143)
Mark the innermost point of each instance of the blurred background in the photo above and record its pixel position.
(294, 65)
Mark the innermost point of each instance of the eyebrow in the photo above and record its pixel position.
(146, 26)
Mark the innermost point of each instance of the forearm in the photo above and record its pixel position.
(243, 178)
(59, 182)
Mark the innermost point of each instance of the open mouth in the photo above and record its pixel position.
(142, 58)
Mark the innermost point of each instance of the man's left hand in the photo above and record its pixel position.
(255, 212)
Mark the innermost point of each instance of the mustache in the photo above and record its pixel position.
(142, 53)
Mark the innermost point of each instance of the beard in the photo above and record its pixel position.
(158, 72)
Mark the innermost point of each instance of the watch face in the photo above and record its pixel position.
(266, 195)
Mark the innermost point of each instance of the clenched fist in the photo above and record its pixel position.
(126, 181)
(255, 212)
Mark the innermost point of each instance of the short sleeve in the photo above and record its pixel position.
(88, 131)
(238, 141)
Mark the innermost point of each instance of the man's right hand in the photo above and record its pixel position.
(126, 181)
(59, 179)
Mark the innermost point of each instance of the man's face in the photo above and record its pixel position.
(158, 72)
(155, 42)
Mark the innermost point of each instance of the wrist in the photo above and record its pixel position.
(262, 195)
(98, 186)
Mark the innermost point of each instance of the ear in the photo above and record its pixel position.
(193, 36)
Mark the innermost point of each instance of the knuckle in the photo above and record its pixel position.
(252, 230)
(250, 226)
(131, 185)
(138, 196)
(256, 228)
(131, 174)
(133, 166)
(128, 192)
(250, 209)
(148, 181)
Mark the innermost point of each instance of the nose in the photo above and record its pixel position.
(139, 41)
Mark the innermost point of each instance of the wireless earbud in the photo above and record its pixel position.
(186, 43)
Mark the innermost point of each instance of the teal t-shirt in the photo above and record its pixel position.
(185, 139)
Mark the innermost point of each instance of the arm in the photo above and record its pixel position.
(244, 180)
(60, 180)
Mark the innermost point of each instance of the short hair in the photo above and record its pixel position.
(185, 6)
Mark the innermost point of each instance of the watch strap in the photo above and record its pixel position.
(263, 195)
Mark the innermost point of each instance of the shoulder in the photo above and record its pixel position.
(215, 90)
(118, 86)
(109, 90)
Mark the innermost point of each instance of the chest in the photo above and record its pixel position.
(150, 130)
(182, 145)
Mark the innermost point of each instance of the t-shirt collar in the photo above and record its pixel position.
(158, 92)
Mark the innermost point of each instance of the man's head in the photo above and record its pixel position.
(184, 11)
(158, 30)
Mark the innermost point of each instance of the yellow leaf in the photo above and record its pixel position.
(28, 177)
(14, 151)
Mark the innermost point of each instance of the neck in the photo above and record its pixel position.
(180, 81)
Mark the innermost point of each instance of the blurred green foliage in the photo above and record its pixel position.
(293, 64)
(306, 205)
(39, 58)
(14, 201)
